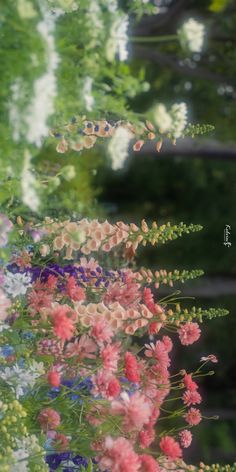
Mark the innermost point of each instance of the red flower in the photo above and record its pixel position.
(54, 378)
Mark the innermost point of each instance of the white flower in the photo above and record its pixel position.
(117, 43)
(191, 35)
(94, 17)
(31, 121)
(118, 147)
(41, 106)
(179, 117)
(22, 379)
(29, 184)
(26, 447)
(87, 93)
(16, 284)
(162, 118)
(172, 121)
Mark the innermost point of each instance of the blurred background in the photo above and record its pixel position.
(193, 182)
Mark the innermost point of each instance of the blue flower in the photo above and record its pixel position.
(7, 350)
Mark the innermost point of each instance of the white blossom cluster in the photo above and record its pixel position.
(191, 35)
(26, 447)
(29, 184)
(45, 87)
(22, 379)
(87, 93)
(173, 121)
(31, 121)
(118, 41)
(118, 147)
(16, 284)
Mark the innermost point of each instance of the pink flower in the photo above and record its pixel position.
(148, 464)
(75, 292)
(193, 416)
(131, 368)
(119, 456)
(126, 293)
(170, 447)
(146, 437)
(159, 352)
(39, 299)
(102, 331)
(113, 388)
(110, 356)
(104, 383)
(189, 333)
(191, 397)
(211, 358)
(168, 343)
(83, 348)
(54, 378)
(64, 328)
(60, 442)
(154, 327)
(63, 325)
(189, 383)
(149, 299)
(135, 409)
(49, 419)
(4, 305)
(185, 438)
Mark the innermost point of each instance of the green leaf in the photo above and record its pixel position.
(218, 5)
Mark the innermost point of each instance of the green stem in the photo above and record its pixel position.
(153, 39)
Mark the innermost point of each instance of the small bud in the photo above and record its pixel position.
(159, 145)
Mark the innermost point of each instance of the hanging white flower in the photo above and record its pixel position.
(29, 184)
(117, 43)
(162, 118)
(45, 87)
(16, 284)
(118, 147)
(191, 35)
(172, 121)
(30, 121)
(87, 93)
(179, 113)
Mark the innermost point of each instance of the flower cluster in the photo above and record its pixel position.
(82, 133)
(191, 35)
(92, 395)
